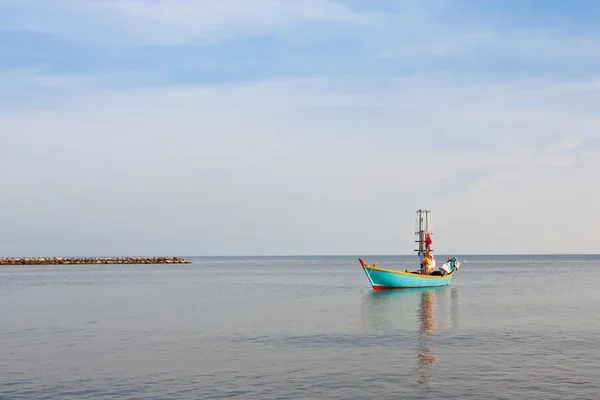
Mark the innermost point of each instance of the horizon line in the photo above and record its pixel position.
(393, 255)
(309, 255)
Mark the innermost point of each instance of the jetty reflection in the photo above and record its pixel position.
(424, 311)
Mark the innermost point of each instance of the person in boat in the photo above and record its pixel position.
(427, 263)
(445, 268)
(449, 266)
(427, 260)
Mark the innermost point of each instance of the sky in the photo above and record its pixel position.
(313, 127)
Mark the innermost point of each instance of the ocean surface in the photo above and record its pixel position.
(508, 327)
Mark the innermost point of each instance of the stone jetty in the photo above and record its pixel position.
(90, 260)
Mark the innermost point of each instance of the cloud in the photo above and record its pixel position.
(292, 166)
(168, 22)
(359, 114)
(399, 30)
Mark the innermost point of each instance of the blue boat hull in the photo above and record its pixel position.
(382, 278)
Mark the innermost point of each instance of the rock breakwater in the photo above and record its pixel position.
(90, 260)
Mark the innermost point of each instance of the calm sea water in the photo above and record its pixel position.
(300, 328)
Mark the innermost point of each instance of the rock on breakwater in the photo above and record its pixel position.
(90, 260)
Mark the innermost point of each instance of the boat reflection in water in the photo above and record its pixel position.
(426, 326)
(424, 311)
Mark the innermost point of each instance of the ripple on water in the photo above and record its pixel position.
(299, 329)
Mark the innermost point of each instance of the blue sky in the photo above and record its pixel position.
(286, 127)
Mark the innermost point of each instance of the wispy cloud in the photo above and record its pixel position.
(146, 122)
(164, 22)
(255, 154)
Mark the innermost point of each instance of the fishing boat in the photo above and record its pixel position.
(427, 275)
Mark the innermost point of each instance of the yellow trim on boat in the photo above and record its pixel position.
(404, 273)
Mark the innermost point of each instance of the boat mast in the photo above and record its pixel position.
(423, 225)
(419, 229)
